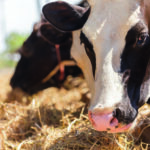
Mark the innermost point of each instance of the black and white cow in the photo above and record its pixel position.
(36, 68)
(111, 44)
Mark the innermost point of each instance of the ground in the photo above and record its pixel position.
(54, 119)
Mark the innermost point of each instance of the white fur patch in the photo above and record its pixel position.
(73, 2)
(106, 28)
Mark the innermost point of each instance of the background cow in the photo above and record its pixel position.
(111, 44)
(39, 58)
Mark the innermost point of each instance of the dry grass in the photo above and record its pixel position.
(54, 119)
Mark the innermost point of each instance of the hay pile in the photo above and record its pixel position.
(54, 119)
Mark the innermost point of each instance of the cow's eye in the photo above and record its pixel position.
(142, 39)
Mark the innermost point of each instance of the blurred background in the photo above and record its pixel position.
(17, 18)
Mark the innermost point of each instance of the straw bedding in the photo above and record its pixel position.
(56, 119)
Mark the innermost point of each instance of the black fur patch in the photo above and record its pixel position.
(89, 50)
(135, 58)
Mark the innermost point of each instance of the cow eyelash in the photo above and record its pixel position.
(142, 39)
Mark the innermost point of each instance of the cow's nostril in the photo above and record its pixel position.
(114, 122)
(117, 113)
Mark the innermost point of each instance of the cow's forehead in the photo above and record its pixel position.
(108, 25)
(130, 2)
(112, 15)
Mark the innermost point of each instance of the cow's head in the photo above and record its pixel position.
(111, 44)
(38, 58)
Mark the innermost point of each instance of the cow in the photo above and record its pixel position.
(39, 66)
(111, 45)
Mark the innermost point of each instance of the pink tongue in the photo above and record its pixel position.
(107, 122)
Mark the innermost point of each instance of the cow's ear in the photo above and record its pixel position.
(53, 35)
(66, 17)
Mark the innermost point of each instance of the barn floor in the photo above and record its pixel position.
(54, 119)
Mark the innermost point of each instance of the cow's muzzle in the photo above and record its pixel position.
(113, 122)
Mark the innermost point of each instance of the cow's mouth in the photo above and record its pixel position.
(106, 122)
(121, 128)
